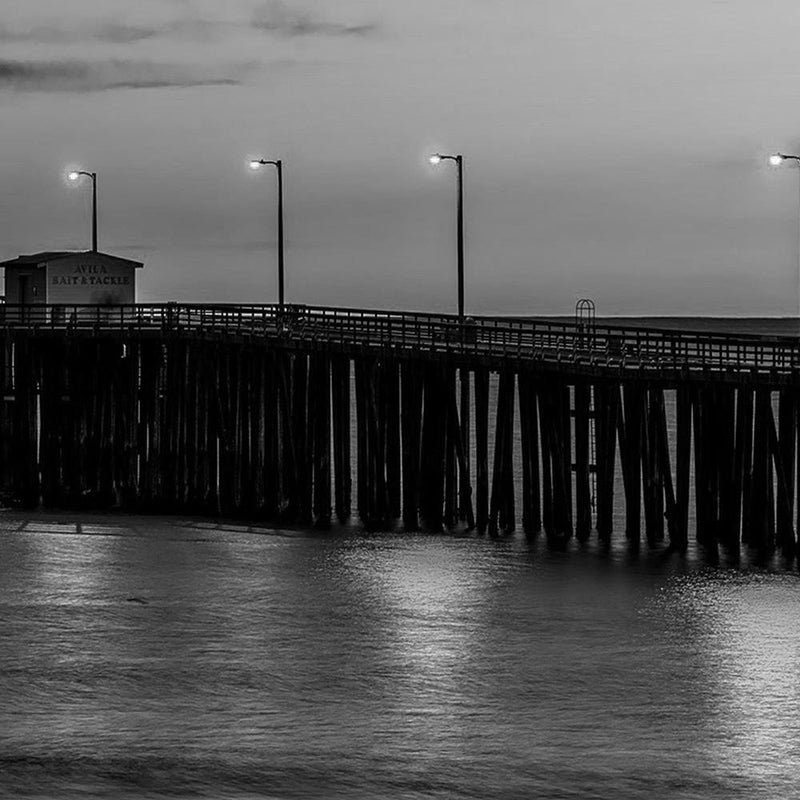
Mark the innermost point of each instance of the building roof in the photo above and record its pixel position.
(48, 256)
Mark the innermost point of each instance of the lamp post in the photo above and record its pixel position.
(74, 176)
(437, 158)
(256, 164)
(775, 160)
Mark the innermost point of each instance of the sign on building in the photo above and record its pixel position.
(71, 278)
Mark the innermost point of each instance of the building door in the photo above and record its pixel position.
(25, 296)
(25, 290)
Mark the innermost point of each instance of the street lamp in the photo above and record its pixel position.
(255, 165)
(76, 175)
(775, 160)
(437, 158)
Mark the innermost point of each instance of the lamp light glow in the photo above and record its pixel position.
(73, 176)
(254, 165)
(435, 158)
(775, 159)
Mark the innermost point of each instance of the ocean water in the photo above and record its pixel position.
(146, 657)
(169, 658)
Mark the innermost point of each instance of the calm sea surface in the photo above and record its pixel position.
(155, 658)
(144, 658)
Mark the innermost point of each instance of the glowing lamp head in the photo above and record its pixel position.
(775, 159)
(254, 165)
(73, 176)
(435, 158)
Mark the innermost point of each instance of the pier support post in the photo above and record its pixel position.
(411, 410)
(606, 404)
(320, 423)
(785, 469)
(529, 435)
(583, 493)
(340, 406)
(630, 445)
(465, 511)
(481, 449)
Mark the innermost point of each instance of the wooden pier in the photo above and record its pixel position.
(302, 414)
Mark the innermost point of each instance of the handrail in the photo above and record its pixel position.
(536, 339)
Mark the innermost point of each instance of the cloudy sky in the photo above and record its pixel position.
(614, 149)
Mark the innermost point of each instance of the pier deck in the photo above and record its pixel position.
(250, 410)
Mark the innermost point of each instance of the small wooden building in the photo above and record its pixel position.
(71, 278)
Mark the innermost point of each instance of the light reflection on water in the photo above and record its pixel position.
(146, 658)
(747, 630)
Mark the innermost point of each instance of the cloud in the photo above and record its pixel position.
(113, 33)
(277, 18)
(118, 33)
(124, 34)
(84, 76)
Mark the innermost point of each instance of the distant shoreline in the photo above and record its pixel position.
(765, 326)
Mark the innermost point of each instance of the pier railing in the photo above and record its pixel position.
(490, 337)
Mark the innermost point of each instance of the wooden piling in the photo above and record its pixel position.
(705, 522)
(287, 450)
(563, 462)
(466, 513)
(340, 406)
(554, 408)
(481, 449)
(725, 455)
(391, 415)
(784, 449)
(546, 413)
(411, 399)
(529, 434)
(630, 445)
(759, 522)
(320, 422)
(501, 510)
(651, 465)
(665, 468)
(432, 457)
(452, 435)
(606, 403)
(301, 433)
(743, 463)
(583, 495)
(455, 432)
(364, 496)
